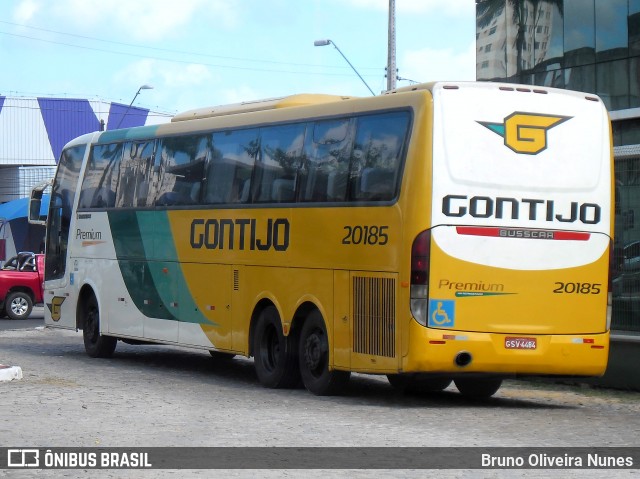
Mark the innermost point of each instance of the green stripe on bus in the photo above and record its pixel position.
(132, 259)
(149, 265)
(137, 133)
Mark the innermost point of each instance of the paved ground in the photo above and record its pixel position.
(35, 319)
(159, 396)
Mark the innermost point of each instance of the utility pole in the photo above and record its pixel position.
(391, 51)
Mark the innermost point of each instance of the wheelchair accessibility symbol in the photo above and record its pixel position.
(442, 313)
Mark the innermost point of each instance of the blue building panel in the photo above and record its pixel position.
(123, 116)
(66, 119)
(33, 132)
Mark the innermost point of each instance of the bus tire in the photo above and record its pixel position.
(95, 344)
(18, 305)
(478, 388)
(417, 383)
(274, 356)
(314, 359)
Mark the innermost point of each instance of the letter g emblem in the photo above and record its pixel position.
(526, 133)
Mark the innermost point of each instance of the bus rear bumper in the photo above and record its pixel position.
(460, 352)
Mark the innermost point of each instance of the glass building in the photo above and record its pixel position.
(591, 46)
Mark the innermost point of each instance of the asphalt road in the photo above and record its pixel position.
(35, 320)
(149, 396)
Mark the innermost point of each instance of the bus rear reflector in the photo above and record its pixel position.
(523, 233)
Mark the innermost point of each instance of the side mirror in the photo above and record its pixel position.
(35, 203)
(34, 210)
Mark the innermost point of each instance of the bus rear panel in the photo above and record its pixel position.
(512, 276)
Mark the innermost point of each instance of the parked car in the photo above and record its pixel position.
(21, 285)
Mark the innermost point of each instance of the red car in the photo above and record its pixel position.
(21, 285)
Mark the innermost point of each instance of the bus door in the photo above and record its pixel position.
(59, 299)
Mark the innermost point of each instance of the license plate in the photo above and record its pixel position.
(520, 343)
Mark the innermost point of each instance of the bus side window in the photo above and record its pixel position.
(230, 168)
(182, 160)
(135, 172)
(145, 174)
(327, 152)
(101, 177)
(276, 171)
(376, 163)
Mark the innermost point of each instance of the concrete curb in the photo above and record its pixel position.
(9, 373)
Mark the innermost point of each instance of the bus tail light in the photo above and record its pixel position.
(420, 252)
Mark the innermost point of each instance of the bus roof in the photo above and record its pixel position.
(258, 105)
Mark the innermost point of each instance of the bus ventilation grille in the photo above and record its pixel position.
(236, 280)
(374, 306)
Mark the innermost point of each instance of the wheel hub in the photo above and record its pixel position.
(313, 352)
(19, 306)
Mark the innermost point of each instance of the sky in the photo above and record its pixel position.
(198, 53)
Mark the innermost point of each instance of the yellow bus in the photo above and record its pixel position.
(454, 231)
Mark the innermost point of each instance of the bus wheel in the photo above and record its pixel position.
(478, 388)
(96, 345)
(19, 305)
(274, 357)
(314, 359)
(416, 383)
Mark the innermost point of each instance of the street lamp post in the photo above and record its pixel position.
(322, 43)
(143, 87)
(392, 73)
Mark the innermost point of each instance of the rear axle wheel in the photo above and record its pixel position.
(274, 356)
(314, 359)
(478, 388)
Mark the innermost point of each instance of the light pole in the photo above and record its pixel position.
(392, 73)
(143, 87)
(322, 43)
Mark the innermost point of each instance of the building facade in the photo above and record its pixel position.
(591, 46)
(33, 132)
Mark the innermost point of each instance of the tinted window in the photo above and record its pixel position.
(230, 168)
(611, 30)
(377, 156)
(182, 160)
(63, 194)
(280, 160)
(101, 177)
(328, 151)
(613, 84)
(580, 78)
(579, 32)
(549, 38)
(338, 160)
(137, 175)
(634, 27)
(634, 82)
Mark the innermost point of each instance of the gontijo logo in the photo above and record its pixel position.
(526, 133)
